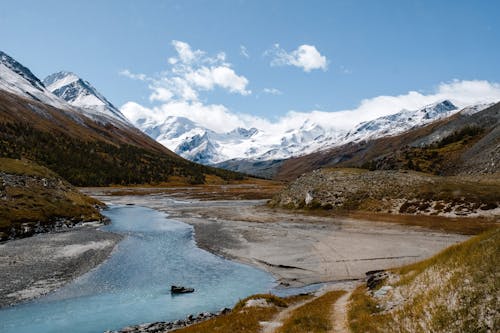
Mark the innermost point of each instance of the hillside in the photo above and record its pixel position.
(396, 192)
(34, 199)
(465, 143)
(455, 291)
(73, 130)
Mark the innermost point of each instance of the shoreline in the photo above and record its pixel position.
(35, 266)
(297, 250)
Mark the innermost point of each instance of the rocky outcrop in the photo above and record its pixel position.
(168, 326)
(35, 200)
(387, 191)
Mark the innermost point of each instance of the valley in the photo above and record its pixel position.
(190, 217)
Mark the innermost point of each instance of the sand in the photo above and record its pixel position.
(297, 249)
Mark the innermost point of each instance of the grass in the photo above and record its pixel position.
(247, 189)
(244, 319)
(457, 290)
(312, 317)
(33, 194)
(398, 196)
(24, 167)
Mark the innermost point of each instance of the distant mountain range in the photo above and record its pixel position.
(248, 150)
(242, 146)
(65, 124)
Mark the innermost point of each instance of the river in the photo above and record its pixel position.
(132, 286)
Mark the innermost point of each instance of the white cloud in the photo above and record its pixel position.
(244, 51)
(305, 56)
(190, 72)
(220, 119)
(223, 76)
(272, 91)
(130, 75)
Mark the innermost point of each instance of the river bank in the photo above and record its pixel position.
(34, 266)
(296, 249)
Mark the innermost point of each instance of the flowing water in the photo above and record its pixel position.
(132, 286)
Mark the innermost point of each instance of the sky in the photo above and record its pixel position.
(255, 63)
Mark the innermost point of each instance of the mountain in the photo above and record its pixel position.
(89, 143)
(240, 148)
(17, 79)
(466, 142)
(81, 94)
(399, 122)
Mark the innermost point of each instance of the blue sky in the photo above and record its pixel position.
(371, 48)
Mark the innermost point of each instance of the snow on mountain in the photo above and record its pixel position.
(82, 95)
(17, 79)
(194, 142)
(399, 122)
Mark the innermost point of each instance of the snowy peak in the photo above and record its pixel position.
(82, 94)
(399, 122)
(19, 80)
(23, 72)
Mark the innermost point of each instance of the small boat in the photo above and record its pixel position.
(180, 290)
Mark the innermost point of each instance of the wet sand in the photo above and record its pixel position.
(296, 249)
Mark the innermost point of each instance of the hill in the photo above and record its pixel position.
(393, 192)
(35, 199)
(457, 290)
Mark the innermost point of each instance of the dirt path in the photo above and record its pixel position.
(277, 321)
(339, 314)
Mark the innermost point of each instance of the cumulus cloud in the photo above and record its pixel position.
(220, 119)
(305, 56)
(191, 71)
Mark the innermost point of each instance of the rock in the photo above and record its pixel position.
(224, 311)
(374, 278)
(382, 291)
(180, 290)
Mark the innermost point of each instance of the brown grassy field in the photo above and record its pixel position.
(33, 194)
(215, 189)
(242, 318)
(313, 317)
(456, 290)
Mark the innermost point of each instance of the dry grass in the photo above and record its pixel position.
(244, 319)
(457, 290)
(248, 189)
(24, 167)
(35, 194)
(312, 317)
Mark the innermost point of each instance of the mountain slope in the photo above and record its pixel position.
(81, 94)
(79, 148)
(465, 142)
(248, 146)
(35, 199)
(17, 79)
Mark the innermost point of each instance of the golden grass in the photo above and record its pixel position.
(24, 167)
(244, 319)
(312, 317)
(457, 290)
(35, 200)
(247, 189)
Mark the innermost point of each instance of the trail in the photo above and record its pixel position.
(277, 321)
(339, 314)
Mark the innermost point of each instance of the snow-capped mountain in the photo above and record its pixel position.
(17, 79)
(63, 90)
(194, 142)
(81, 94)
(399, 122)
